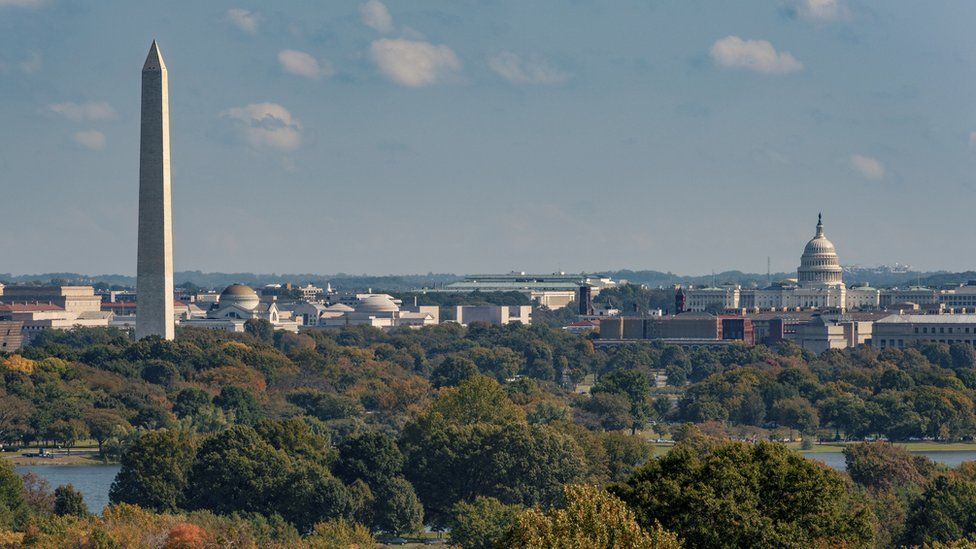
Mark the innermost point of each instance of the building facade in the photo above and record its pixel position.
(819, 285)
(902, 330)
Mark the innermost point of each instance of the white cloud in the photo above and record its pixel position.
(303, 64)
(91, 139)
(80, 112)
(869, 168)
(267, 125)
(245, 20)
(376, 16)
(21, 3)
(755, 55)
(533, 70)
(413, 63)
(821, 10)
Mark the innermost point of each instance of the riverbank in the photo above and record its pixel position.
(836, 447)
(78, 456)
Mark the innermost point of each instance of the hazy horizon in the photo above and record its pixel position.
(471, 137)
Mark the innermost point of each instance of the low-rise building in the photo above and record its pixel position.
(493, 314)
(680, 328)
(11, 336)
(37, 317)
(377, 310)
(553, 291)
(901, 330)
(831, 332)
(960, 298)
(72, 299)
(238, 304)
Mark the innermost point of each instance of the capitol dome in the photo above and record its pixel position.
(240, 295)
(819, 265)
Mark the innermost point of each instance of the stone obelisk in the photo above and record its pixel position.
(154, 272)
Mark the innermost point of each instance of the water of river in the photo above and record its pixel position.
(93, 481)
(952, 458)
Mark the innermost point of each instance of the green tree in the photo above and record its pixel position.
(295, 437)
(625, 453)
(635, 386)
(747, 495)
(883, 466)
(104, 424)
(452, 371)
(945, 512)
(13, 509)
(372, 456)
(240, 401)
(69, 501)
(482, 523)
(154, 470)
(260, 329)
(307, 495)
(608, 411)
(797, 413)
(237, 470)
(190, 402)
(471, 440)
(587, 517)
(398, 511)
(67, 433)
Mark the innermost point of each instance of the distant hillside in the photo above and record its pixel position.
(408, 282)
(341, 281)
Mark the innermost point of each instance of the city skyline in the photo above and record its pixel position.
(388, 138)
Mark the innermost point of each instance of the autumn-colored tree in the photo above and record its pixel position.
(186, 535)
(482, 523)
(18, 363)
(340, 534)
(588, 517)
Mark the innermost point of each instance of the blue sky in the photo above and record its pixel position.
(467, 136)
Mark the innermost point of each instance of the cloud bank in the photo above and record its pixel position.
(413, 63)
(756, 55)
(245, 20)
(375, 16)
(80, 112)
(868, 167)
(266, 126)
(303, 64)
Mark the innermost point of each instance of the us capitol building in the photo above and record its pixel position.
(819, 285)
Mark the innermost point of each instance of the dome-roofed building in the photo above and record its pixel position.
(376, 303)
(240, 295)
(819, 265)
(819, 285)
(238, 304)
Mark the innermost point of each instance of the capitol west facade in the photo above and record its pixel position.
(819, 285)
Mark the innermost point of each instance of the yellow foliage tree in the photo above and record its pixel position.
(19, 363)
(339, 534)
(589, 517)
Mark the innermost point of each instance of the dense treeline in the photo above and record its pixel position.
(276, 436)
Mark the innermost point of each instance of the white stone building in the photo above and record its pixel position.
(819, 285)
(238, 304)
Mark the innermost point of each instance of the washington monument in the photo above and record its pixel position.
(154, 272)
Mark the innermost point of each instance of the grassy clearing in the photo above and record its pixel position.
(80, 455)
